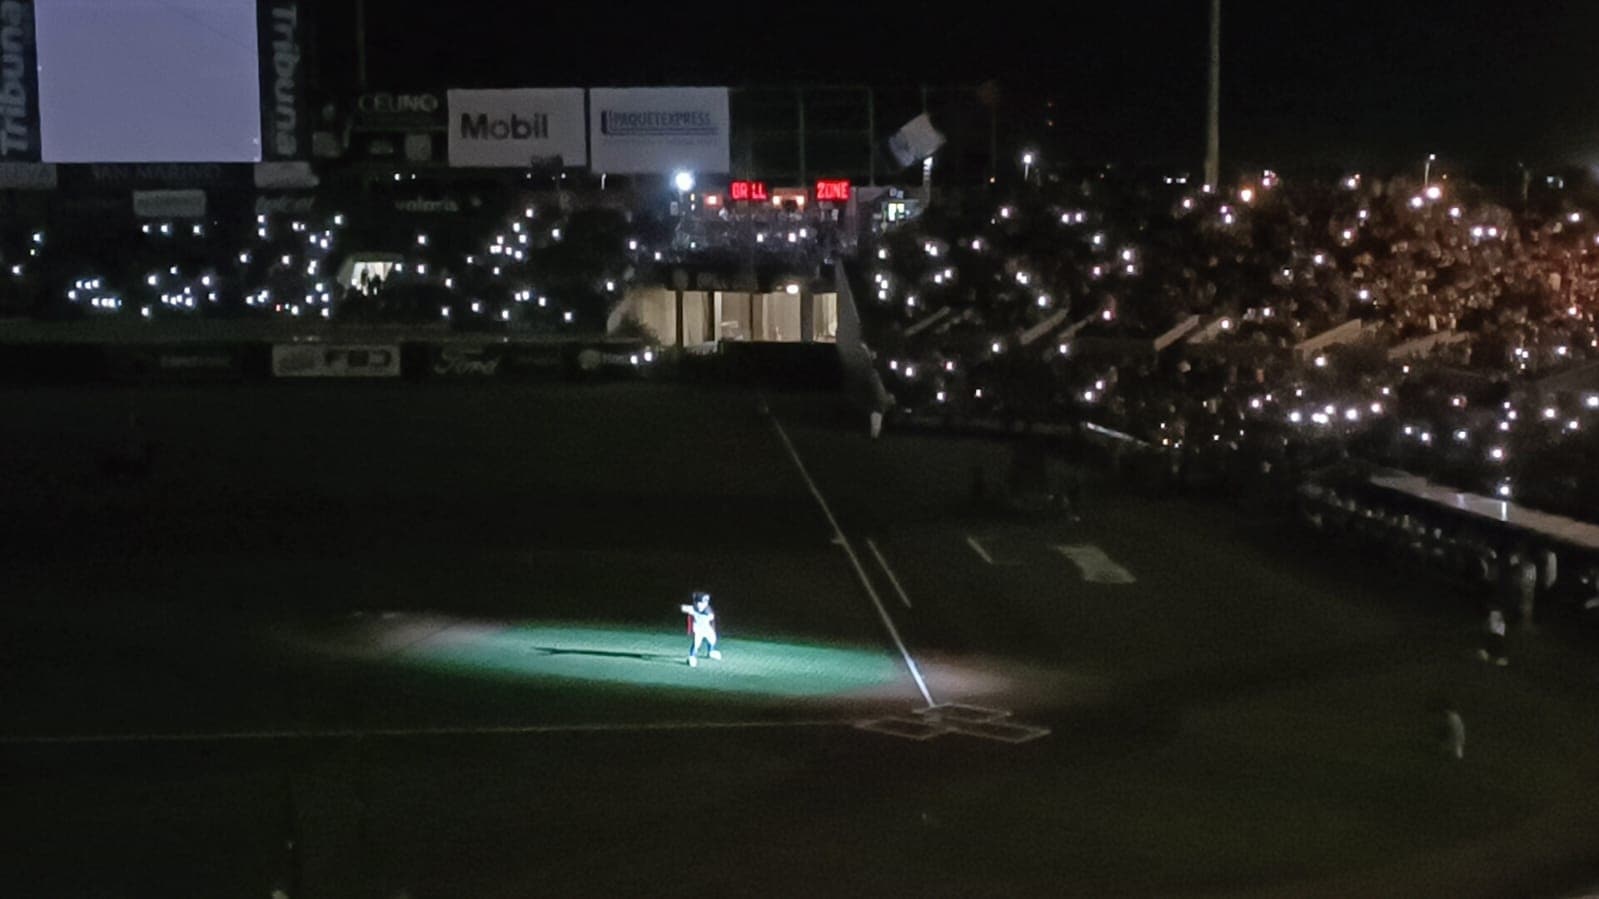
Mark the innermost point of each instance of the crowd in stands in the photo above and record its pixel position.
(532, 264)
(1267, 327)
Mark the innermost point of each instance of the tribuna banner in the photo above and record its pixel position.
(19, 83)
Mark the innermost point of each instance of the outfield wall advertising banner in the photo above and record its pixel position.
(169, 204)
(19, 83)
(517, 128)
(320, 360)
(659, 130)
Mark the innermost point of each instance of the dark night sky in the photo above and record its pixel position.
(1361, 82)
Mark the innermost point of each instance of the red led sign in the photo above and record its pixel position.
(748, 191)
(832, 191)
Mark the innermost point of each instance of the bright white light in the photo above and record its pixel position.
(996, 347)
(1461, 436)
(1416, 202)
(1348, 234)
(1434, 192)
(1295, 417)
(1497, 453)
(683, 181)
(1549, 412)
(1376, 408)
(1504, 490)
(1320, 418)
(791, 289)
(1454, 212)
(555, 233)
(567, 316)
(1321, 361)
(1591, 401)
(1247, 195)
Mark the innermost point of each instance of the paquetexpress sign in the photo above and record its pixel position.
(516, 128)
(19, 83)
(659, 130)
(320, 360)
(283, 124)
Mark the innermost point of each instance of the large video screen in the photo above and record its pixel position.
(148, 81)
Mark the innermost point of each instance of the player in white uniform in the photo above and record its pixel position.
(702, 627)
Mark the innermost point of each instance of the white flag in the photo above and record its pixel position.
(916, 141)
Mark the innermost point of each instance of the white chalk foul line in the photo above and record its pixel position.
(854, 560)
(978, 548)
(888, 571)
(985, 555)
(461, 731)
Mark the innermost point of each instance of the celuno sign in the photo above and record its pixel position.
(517, 128)
(659, 130)
(388, 111)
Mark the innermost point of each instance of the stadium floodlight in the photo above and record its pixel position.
(683, 180)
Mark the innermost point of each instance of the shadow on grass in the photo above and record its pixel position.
(656, 657)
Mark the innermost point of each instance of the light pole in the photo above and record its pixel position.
(1213, 109)
(1426, 169)
(1027, 166)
